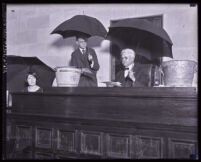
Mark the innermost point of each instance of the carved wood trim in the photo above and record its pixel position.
(23, 137)
(44, 137)
(182, 148)
(148, 147)
(91, 142)
(66, 140)
(118, 146)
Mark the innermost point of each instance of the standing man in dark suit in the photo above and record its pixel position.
(85, 58)
(133, 74)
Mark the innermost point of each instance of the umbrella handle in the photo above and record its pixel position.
(162, 73)
(160, 70)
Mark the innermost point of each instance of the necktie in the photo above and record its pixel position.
(126, 72)
(128, 80)
(83, 51)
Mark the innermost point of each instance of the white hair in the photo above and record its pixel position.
(128, 51)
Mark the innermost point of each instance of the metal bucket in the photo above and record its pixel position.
(67, 76)
(179, 73)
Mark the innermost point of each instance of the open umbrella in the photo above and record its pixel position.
(145, 38)
(81, 24)
(18, 67)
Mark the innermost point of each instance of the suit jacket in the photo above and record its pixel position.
(80, 60)
(142, 73)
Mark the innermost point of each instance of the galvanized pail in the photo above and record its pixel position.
(67, 76)
(179, 73)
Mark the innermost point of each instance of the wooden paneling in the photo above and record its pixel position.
(151, 92)
(23, 137)
(66, 141)
(181, 148)
(149, 147)
(91, 143)
(124, 105)
(118, 146)
(66, 157)
(104, 124)
(43, 156)
(44, 138)
(22, 155)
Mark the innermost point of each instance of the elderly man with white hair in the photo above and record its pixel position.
(133, 74)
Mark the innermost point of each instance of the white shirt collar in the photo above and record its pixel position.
(81, 49)
(130, 67)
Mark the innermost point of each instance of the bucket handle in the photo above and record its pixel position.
(162, 74)
(196, 68)
(161, 70)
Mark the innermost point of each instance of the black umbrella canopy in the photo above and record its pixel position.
(18, 67)
(144, 37)
(81, 24)
(143, 26)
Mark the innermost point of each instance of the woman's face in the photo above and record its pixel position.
(31, 80)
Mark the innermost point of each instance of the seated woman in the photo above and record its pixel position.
(31, 82)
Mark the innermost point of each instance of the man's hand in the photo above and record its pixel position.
(113, 84)
(86, 70)
(90, 58)
(131, 75)
(117, 84)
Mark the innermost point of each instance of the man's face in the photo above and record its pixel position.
(126, 59)
(82, 43)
